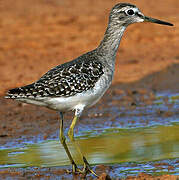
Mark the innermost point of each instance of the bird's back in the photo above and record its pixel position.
(64, 80)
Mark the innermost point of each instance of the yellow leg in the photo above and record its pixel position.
(71, 135)
(63, 141)
(87, 167)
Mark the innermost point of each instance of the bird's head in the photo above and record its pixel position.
(125, 14)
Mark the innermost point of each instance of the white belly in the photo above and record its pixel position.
(85, 99)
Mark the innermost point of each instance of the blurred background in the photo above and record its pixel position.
(36, 35)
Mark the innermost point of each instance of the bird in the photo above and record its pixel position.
(80, 83)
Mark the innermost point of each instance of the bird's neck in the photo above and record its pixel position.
(110, 43)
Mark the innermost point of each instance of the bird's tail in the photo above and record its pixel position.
(20, 92)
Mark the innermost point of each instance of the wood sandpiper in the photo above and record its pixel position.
(80, 83)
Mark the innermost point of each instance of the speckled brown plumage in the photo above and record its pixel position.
(64, 80)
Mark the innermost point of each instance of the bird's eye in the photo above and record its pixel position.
(130, 12)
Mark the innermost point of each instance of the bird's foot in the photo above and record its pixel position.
(86, 169)
(75, 169)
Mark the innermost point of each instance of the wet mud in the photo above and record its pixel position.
(36, 36)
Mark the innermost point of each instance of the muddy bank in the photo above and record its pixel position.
(55, 173)
(21, 123)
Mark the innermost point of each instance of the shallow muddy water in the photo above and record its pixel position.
(141, 138)
(113, 146)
